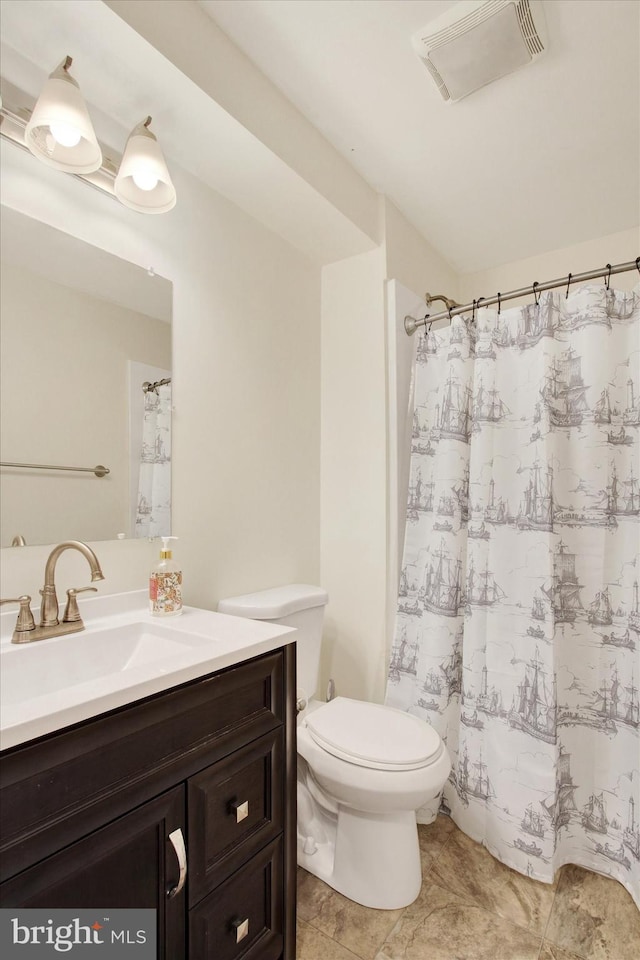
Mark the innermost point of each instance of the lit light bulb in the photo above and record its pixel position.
(144, 179)
(65, 134)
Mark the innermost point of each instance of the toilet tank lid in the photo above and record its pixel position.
(275, 603)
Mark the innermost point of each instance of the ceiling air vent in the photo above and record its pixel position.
(479, 41)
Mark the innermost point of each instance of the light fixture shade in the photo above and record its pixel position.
(61, 106)
(143, 163)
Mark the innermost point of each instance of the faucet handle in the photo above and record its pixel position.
(71, 611)
(25, 621)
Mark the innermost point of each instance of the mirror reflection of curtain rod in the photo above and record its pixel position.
(153, 387)
(99, 470)
(453, 309)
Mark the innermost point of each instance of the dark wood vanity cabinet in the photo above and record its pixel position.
(124, 864)
(87, 814)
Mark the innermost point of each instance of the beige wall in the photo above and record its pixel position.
(412, 260)
(281, 452)
(282, 442)
(580, 258)
(246, 387)
(364, 361)
(64, 400)
(353, 508)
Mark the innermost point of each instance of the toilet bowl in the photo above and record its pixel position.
(367, 769)
(363, 770)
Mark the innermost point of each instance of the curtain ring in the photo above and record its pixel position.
(473, 312)
(450, 308)
(638, 264)
(566, 296)
(429, 330)
(499, 304)
(536, 295)
(608, 280)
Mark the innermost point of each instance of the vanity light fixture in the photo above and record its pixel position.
(143, 182)
(60, 132)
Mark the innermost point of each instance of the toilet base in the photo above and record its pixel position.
(373, 859)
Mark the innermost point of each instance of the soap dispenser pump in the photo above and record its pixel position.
(165, 584)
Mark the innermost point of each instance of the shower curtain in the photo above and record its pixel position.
(153, 514)
(518, 626)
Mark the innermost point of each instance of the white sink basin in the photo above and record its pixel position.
(123, 655)
(82, 657)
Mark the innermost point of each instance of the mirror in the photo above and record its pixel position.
(81, 332)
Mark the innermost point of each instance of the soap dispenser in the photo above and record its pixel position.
(165, 584)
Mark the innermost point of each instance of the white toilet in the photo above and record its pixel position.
(363, 769)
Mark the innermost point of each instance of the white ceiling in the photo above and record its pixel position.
(124, 78)
(542, 159)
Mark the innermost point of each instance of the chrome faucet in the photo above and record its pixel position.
(50, 626)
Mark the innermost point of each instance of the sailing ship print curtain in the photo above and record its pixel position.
(518, 626)
(153, 514)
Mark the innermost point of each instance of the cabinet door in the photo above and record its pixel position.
(243, 918)
(129, 863)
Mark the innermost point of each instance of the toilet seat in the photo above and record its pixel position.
(373, 736)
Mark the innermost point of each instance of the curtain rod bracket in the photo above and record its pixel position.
(449, 304)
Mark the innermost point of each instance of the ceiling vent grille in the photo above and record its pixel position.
(479, 41)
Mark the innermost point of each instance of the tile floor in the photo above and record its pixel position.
(472, 907)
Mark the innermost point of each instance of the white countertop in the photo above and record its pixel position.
(123, 655)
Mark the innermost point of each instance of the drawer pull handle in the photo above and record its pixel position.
(241, 928)
(240, 808)
(177, 842)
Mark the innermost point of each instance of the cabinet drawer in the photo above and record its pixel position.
(243, 918)
(60, 788)
(236, 806)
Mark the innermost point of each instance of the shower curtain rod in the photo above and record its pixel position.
(153, 387)
(411, 325)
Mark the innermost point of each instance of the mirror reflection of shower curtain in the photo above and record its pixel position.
(153, 514)
(517, 632)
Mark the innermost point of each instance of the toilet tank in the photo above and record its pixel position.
(296, 605)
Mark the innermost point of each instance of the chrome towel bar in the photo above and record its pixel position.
(99, 470)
